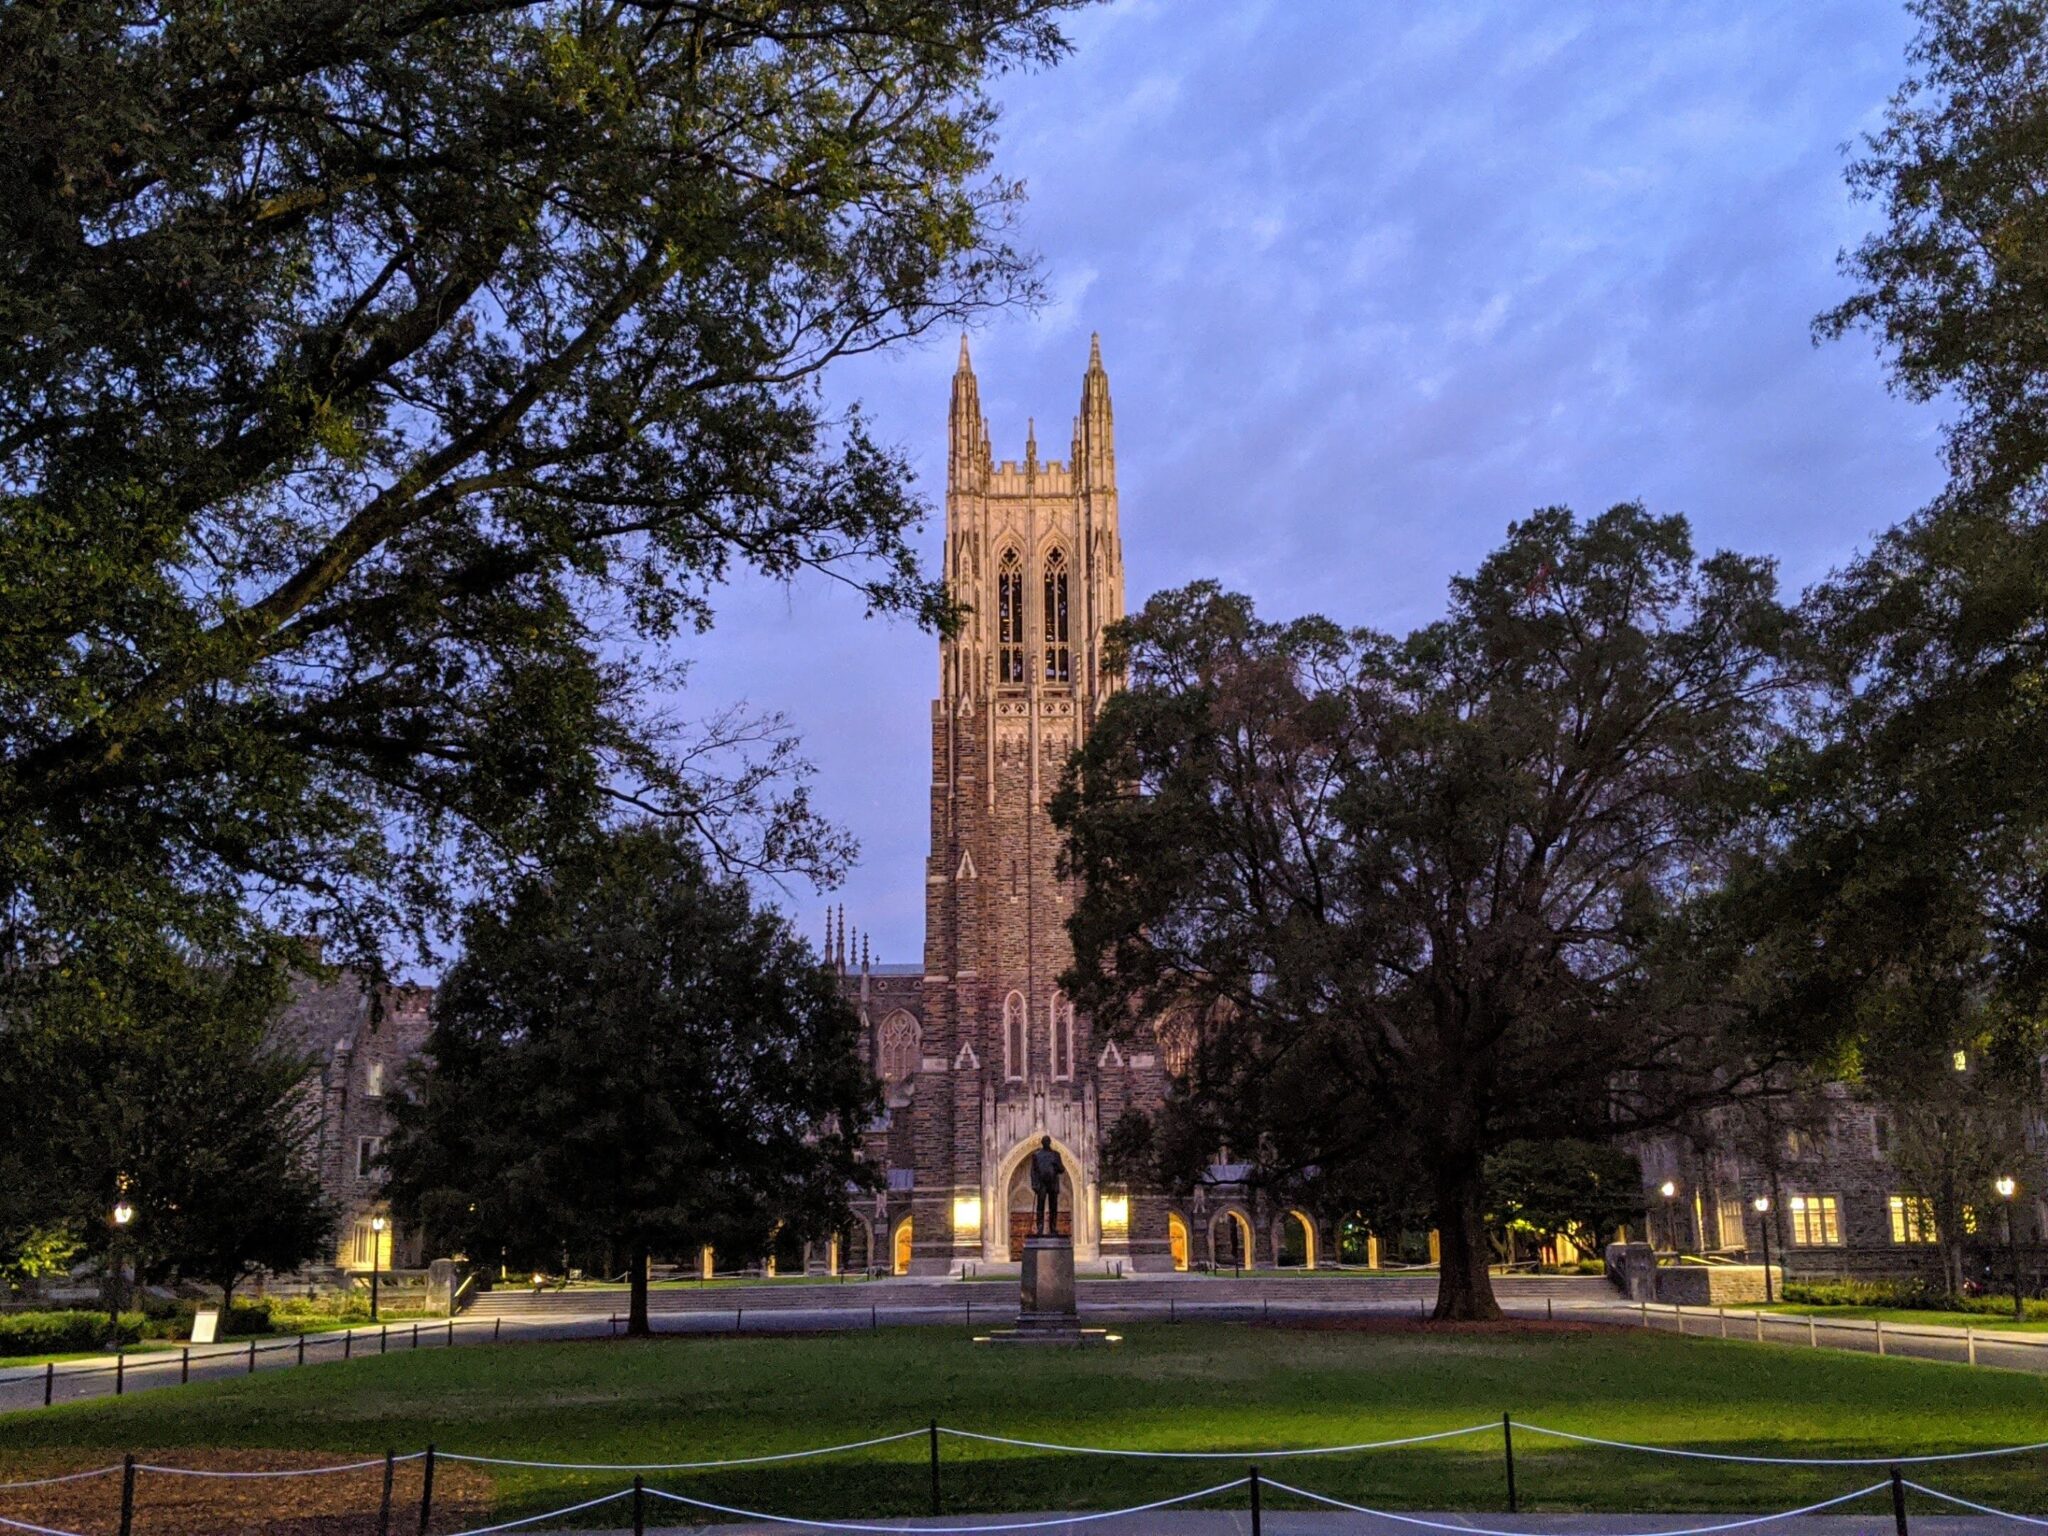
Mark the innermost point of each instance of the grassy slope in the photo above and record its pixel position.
(1190, 1387)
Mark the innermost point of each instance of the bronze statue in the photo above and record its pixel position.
(1045, 1187)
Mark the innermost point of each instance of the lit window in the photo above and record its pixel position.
(1961, 1061)
(373, 1080)
(1010, 620)
(1057, 663)
(1816, 1221)
(1116, 1215)
(1912, 1219)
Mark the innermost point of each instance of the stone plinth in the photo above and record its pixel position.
(1046, 1313)
(1047, 1296)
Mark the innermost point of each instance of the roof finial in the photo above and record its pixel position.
(1094, 349)
(965, 365)
(1030, 440)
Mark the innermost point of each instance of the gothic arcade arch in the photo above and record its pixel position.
(1231, 1221)
(1074, 1197)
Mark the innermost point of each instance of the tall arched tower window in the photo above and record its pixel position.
(1010, 619)
(1062, 1036)
(1058, 664)
(1014, 1034)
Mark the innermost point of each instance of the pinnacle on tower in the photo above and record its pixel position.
(966, 366)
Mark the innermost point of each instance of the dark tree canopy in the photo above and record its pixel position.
(1904, 908)
(1586, 1190)
(632, 1054)
(166, 1088)
(385, 388)
(1417, 889)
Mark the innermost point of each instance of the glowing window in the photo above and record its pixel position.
(1010, 620)
(1058, 664)
(1912, 1219)
(1816, 1221)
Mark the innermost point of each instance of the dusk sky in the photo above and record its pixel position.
(1373, 280)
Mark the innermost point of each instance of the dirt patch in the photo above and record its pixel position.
(1423, 1326)
(329, 1504)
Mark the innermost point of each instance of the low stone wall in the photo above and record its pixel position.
(1715, 1285)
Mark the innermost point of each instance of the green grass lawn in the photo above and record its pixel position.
(1185, 1388)
(312, 1326)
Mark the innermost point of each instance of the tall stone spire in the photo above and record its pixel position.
(966, 443)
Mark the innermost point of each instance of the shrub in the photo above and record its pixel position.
(59, 1333)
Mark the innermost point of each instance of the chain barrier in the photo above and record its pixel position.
(1489, 1427)
(681, 1466)
(1479, 1530)
(947, 1530)
(1972, 1504)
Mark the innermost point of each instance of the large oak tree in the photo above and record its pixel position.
(1415, 891)
(387, 385)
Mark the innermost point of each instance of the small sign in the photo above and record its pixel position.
(205, 1324)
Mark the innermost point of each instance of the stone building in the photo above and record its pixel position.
(359, 1038)
(980, 1052)
(1838, 1207)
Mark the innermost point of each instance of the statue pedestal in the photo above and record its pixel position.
(1047, 1296)
(1046, 1311)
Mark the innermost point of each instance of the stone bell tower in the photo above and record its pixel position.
(1034, 555)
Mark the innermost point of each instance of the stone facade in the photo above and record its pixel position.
(981, 1053)
(1839, 1209)
(360, 1039)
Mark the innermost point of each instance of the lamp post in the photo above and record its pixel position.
(2006, 1187)
(123, 1213)
(1763, 1211)
(1669, 1191)
(377, 1225)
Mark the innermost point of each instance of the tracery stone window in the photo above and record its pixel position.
(1015, 1039)
(1010, 619)
(1062, 1020)
(902, 1041)
(1058, 657)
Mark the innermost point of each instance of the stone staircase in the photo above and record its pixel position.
(1383, 1292)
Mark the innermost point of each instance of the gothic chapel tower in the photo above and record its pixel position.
(1034, 556)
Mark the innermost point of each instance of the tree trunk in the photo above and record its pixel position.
(1464, 1287)
(636, 1312)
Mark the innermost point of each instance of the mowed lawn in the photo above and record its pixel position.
(1191, 1387)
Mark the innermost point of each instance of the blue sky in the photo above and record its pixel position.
(1372, 280)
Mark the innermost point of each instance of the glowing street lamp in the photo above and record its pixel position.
(377, 1225)
(122, 1214)
(1669, 1191)
(2007, 1186)
(1763, 1211)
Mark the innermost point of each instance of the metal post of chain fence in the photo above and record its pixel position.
(384, 1503)
(1646, 1313)
(1548, 1315)
(49, 1382)
(348, 1343)
(1878, 1322)
(415, 1335)
(184, 1365)
(1759, 1326)
(427, 1489)
(1898, 1502)
(1507, 1447)
(383, 1337)
(1970, 1343)
(639, 1505)
(1812, 1338)
(252, 1357)
(935, 1468)
(451, 1333)
(1253, 1479)
(496, 1324)
(120, 1371)
(874, 1321)
(127, 1494)
(302, 1349)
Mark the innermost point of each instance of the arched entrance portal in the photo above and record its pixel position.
(1230, 1240)
(1008, 1207)
(1177, 1239)
(1022, 1209)
(903, 1246)
(1296, 1248)
(855, 1252)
